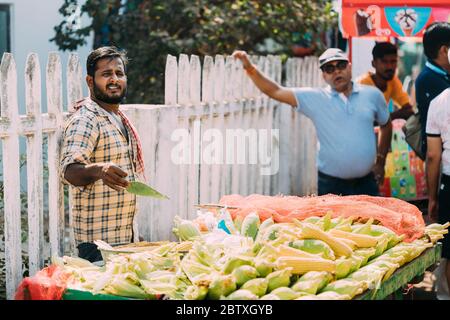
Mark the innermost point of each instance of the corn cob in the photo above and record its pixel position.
(185, 229)
(184, 246)
(437, 226)
(361, 240)
(435, 232)
(346, 286)
(326, 221)
(314, 246)
(435, 237)
(339, 247)
(331, 295)
(345, 224)
(285, 250)
(303, 265)
(352, 244)
(298, 223)
(365, 228)
(285, 293)
(250, 225)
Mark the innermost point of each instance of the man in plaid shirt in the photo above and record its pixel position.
(101, 154)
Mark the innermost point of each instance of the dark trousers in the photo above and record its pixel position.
(345, 187)
(444, 212)
(89, 251)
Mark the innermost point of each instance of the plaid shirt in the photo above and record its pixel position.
(99, 212)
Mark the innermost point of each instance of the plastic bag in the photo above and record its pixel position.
(413, 134)
(48, 284)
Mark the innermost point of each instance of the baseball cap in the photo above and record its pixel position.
(332, 54)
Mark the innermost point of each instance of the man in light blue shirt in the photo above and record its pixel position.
(344, 114)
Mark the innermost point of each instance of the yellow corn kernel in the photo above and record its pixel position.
(285, 250)
(303, 265)
(361, 240)
(352, 244)
(340, 248)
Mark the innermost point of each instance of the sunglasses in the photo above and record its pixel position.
(330, 68)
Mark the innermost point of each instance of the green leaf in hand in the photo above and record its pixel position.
(141, 189)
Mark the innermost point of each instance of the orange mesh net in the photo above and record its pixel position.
(48, 284)
(395, 214)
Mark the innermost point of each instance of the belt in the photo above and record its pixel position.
(353, 180)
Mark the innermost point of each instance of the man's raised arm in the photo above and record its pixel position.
(266, 85)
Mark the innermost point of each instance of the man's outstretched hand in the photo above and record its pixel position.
(243, 56)
(113, 176)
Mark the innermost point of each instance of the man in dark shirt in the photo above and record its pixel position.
(435, 77)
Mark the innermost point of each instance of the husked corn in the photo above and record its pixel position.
(303, 265)
(338, 246)
(285, 250)
(361, 240)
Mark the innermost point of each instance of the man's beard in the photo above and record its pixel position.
(104, 97)
(388, 77)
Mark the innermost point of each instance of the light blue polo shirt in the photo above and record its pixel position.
(345, 127)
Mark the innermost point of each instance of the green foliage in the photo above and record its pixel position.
(149, 30)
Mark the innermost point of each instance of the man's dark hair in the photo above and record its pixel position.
(435, 36)
(101, 53)
(382, 49)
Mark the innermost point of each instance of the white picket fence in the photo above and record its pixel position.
(206, 101)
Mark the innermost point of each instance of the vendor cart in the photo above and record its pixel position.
(393, 286)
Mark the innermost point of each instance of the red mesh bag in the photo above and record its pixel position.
(395, 214)
(48, 284)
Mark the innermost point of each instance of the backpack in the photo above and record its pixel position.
(413, 134)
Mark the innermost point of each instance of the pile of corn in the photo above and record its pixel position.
(151, 274)
(317, 258)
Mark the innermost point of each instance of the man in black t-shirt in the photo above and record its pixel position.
(435, 77)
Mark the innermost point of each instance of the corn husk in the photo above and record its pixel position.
(221, 285)
(312, 282)
(121, 286)
(280, 278)
(263, 266)
(343, 267)
(257, 286)
(185, 229)
(241, 294)
(285, 293)
(196, 292)
(250, 225)
(235, 262)
(270, 296)
(365, 253)
(330, 295)
(315, 247)
(346, 287)
(243, 274)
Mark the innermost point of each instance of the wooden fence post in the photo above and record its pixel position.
(218, 184)
(55, 188)
(74, 93)
(206, 169)
(183, 99)
(171, 80)
(34, 164)
(11, 174)
(194, 113)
